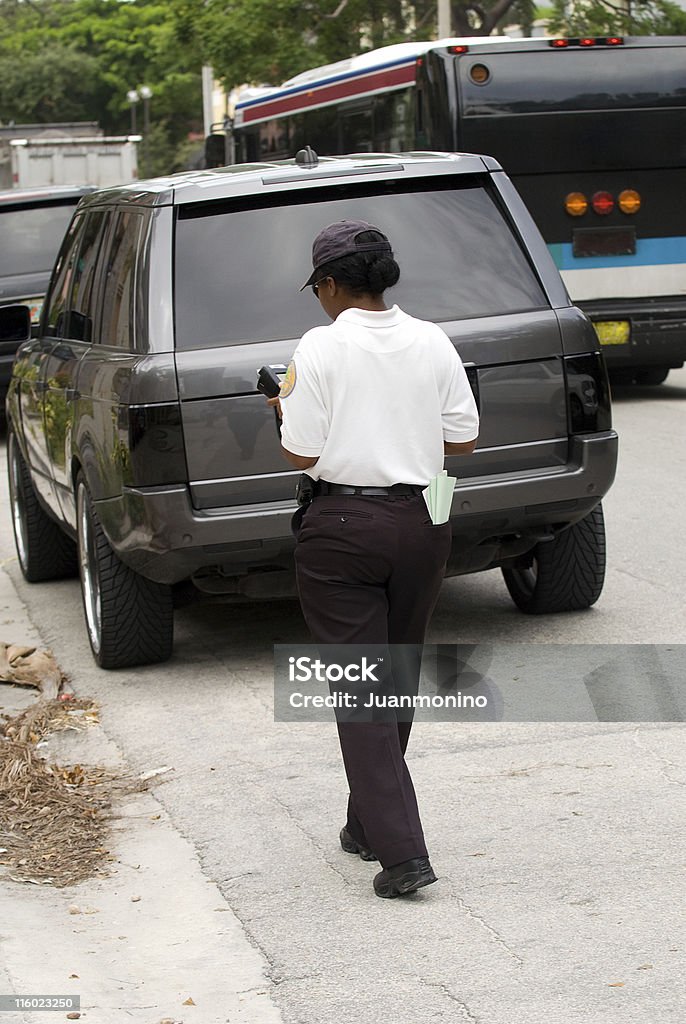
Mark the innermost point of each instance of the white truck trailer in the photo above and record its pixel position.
(97, 160)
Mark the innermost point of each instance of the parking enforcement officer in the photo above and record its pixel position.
(370, 405)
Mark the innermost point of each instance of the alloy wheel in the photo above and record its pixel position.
(17, 502)
(90, 584)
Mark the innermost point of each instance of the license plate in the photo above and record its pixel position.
(604, 241)
(613, 332)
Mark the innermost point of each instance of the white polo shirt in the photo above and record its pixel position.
(374, 395)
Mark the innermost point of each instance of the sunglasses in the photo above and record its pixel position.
(315, 286)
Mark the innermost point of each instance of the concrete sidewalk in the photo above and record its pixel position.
(137, 945)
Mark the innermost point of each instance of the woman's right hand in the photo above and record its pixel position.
(276, 402)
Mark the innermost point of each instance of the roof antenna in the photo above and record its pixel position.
(306, 157)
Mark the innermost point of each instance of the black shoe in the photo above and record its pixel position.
(403, 878)
(351, 845)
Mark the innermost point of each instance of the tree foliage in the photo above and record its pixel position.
(605, 17)
(476, 18)
(64, 60)
(271, 40)
(59, 83)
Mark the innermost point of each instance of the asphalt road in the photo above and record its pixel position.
(557, 844)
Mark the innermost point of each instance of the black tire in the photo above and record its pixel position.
(620, 377)
(651, 374)
(129, 619)
(44, 551)
(642, 375)
(566, 574)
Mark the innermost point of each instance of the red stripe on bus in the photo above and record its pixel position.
(329, 93)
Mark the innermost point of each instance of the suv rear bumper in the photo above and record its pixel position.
(159, 534)
(658, 331)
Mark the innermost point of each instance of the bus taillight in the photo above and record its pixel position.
(629, 201)
(576, 204)
(603, 203)
(560, 44)
(479, 74)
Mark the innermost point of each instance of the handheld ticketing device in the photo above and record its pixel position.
(269, 379)
(269, 384)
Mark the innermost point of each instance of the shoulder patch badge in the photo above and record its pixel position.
(288, 382)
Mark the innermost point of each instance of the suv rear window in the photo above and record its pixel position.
(238, 271)
(31, 237)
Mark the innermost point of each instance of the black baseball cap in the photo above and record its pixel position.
(342, 239)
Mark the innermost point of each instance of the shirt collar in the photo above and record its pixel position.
(372, 317)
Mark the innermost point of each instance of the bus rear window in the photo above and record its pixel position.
(547, 81)
(238, 274)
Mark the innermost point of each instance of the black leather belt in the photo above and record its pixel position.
(324, 487)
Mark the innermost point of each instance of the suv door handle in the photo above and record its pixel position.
(72, 394)
(41, 386)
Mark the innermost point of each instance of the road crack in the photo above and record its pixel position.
(662, 761)
(462, 1007)
(649, 580)
(321, 853)
(314, 976)
(466, 909)
(514, 773)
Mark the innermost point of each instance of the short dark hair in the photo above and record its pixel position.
(364, 273)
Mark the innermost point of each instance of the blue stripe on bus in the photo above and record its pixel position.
(317, 83)
(649, 252)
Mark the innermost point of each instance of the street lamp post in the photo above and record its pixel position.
(444, 19)
(133, 98)
(145, 93)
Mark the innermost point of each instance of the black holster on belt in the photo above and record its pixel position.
(304, 493)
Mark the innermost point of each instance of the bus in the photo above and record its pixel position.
(592, 131)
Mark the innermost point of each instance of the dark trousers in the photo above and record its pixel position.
(369, 571)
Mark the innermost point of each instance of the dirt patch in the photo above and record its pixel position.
(55, 819)
(48, 716)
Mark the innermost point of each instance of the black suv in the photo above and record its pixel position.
(140, 451)
(32, 226)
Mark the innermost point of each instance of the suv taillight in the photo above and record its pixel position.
(156, 451)
(588, 394)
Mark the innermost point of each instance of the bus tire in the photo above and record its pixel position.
(651, 374)
(129, 619)
(566, 574)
